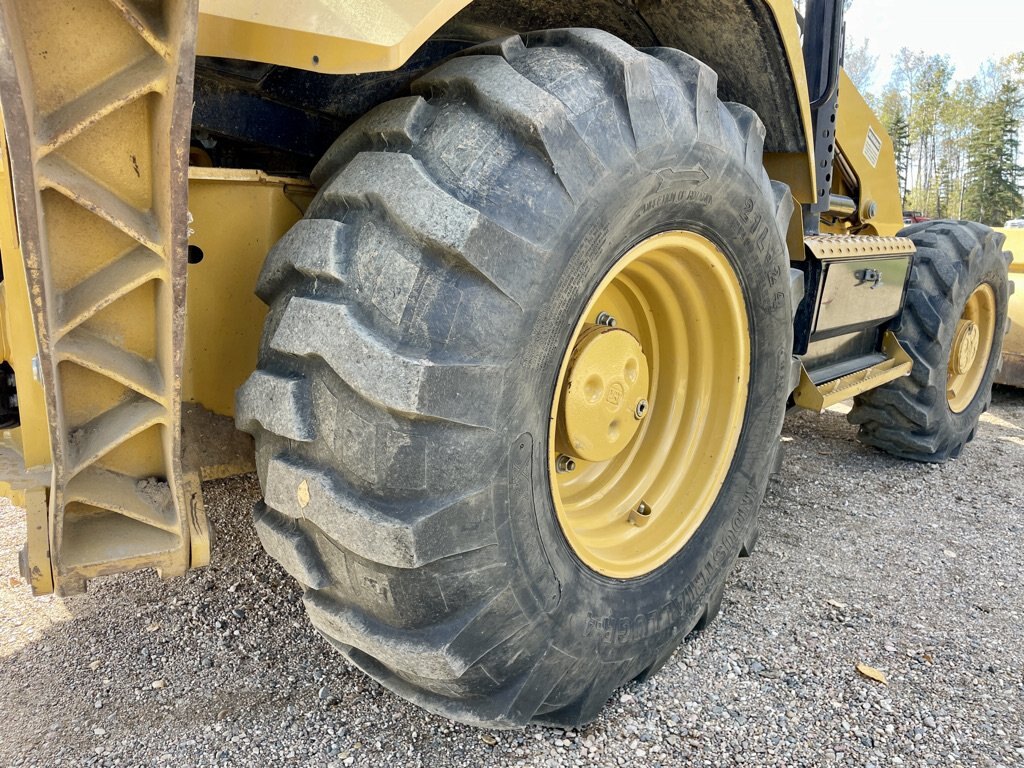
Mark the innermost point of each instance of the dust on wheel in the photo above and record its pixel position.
(524, 373)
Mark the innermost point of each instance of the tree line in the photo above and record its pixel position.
(957, 142)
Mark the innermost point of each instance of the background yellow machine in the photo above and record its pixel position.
(1012, 369)
(513, 297)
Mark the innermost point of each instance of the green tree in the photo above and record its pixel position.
(923, 81)
(956, 121)
(893, 115)
(993, 191)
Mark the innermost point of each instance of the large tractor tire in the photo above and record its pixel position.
(524, 374)
(952, 327)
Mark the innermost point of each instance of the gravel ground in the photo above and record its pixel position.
(914, 570)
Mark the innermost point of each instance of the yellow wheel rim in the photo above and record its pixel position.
(971, 348)
(644, 429)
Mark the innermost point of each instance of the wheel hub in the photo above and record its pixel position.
(649, 404)
(965, 346)
(971, 348)
(607, 386)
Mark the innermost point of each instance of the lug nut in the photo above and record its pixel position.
(603, 318)
(564, 464)
(641, 409)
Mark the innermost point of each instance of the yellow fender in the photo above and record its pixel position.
(321, 35)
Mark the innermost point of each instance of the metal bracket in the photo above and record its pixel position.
(872, 276)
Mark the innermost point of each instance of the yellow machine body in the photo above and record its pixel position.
(1012, 370)
(865, 168)
(341, 37)
(330, 36)
(107, 330)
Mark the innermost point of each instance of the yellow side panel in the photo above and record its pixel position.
(237, 216)
(867, 148)
(1012, 371)
(1015, 245)
(330, 36)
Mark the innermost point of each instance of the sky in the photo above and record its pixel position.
(969, 31)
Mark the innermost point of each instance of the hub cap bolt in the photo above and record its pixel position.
(604, 318)
(565, 464)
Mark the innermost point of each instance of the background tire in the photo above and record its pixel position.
(913, 417)
(418, 318)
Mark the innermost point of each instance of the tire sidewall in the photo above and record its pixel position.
(635, 618)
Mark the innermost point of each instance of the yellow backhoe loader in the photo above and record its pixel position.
(512, 296)
(1011, 370)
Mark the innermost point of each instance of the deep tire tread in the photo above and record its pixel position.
(285, 540)
(313, 249)
(362, 558)
(393, 126)
(277, 403)
(396, 535)
(413, 386)
(399, 184)
(539, 119)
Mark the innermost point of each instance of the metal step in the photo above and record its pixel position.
(818, 397)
